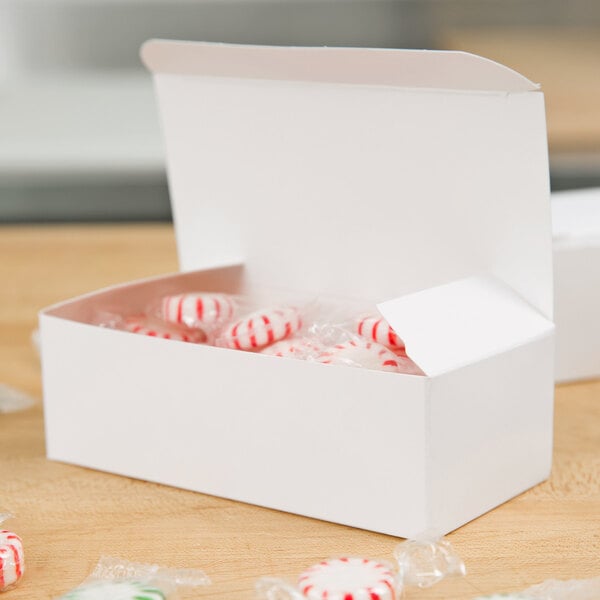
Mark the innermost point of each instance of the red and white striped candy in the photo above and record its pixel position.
(197, 309)
(144, 327)
(361, 353)
(294, 348)
(348, 579)
(377, 329)
(12, 560)
(405, 363)
(262, 328)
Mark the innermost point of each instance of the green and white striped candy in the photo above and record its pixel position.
(115, 590)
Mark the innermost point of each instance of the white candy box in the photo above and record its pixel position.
(414, 180)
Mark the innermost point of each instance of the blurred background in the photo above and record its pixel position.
(79, 133)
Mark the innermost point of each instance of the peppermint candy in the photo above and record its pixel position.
(143, 326)
(262, 328)
(406, 365)
(361, 353)
(198, 309)
(115, 590)
(377, 329)
(12, 559)
(300, 348)
(348, 579)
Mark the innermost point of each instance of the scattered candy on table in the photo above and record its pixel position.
(348, 579)
(115, 590)
(117, 579)
(13, 400)
(12, 559)
(420, 563)
(554, 589)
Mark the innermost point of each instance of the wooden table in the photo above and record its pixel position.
(70, 516)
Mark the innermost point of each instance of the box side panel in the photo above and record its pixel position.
(335, 443)
(490, 433)
(577, 301)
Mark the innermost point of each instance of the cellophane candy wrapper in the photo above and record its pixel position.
(142, 324)
(13, 400)
(355, 337)
(325, 332)
(419, 563)
(426, 561)
(554, 589)
(208, 312)
(12, 558)
(115, 579)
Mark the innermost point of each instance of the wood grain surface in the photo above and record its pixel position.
(70, 516)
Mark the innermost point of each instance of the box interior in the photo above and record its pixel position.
(366, 174)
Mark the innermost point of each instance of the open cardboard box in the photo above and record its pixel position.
(414, 180)
(576, 226)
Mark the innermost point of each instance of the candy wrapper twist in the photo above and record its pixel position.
(116, 579)
(554, 589)
(419, 563)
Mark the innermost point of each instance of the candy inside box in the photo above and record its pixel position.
(412, 180)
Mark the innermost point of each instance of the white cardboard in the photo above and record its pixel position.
(576, 227)
(396, 184)
(369, 174)
(454, 325)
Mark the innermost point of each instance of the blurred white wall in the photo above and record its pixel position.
(79, 136)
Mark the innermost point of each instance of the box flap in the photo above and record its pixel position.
(362, 173)
(462, 322)
(450, 70)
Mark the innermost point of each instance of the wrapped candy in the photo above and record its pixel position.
(376, 329)
(426, 561)
(198, 310)
(262, 328)
(367, 355)
(144, 326)
(418, 563)
(115, 579)
(12, 558)
(152, 327)
(296, 347)
(554, 589)
(322, 332)
(13, 400)
(368, 342)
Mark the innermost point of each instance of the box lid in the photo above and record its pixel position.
(357, 172)
(452, 325)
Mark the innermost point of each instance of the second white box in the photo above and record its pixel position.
(414, 180)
